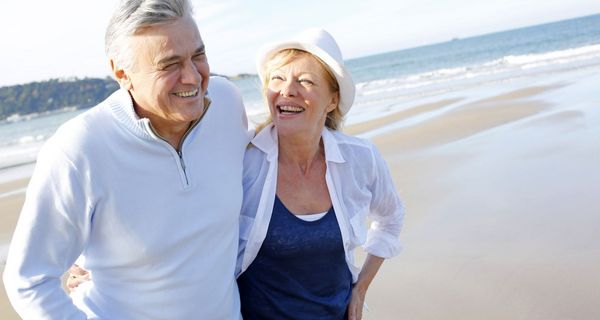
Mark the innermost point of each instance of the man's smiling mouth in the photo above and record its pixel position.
(186, 94)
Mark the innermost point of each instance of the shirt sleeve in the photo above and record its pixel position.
(49, 236)
(386, 212)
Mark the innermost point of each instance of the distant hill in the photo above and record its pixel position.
(53, 95)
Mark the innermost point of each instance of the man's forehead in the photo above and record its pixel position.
(158, 44)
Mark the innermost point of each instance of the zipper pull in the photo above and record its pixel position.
(181, 158)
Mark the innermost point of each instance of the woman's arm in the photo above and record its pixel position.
(366, 276)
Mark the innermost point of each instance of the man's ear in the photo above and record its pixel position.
(121, 75)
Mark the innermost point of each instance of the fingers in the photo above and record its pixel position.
(77, 276)
(355, 308)
(73, 282)
(77, 270)
(355, 314)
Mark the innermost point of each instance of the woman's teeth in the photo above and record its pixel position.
(290, 109)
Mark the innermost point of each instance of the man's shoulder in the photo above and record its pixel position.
(227, 106)
(219, 86)
(79, 132)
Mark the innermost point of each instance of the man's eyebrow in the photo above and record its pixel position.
(175, 58)
(201, 49)
(168, 60)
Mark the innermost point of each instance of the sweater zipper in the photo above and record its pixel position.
(179, 149)
(180, 152)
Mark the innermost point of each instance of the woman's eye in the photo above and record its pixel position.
(276, 78)
(306, 81)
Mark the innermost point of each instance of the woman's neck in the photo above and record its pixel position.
(301, 152)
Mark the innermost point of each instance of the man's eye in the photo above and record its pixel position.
(199, 56)
(170, 67)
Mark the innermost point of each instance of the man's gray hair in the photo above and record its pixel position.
(133, 15)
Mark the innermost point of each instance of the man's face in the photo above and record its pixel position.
(170, 73)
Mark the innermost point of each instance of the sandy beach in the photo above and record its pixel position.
(11, 205)
(501, 218)
(499, 186)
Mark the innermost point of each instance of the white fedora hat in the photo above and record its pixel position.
(321, 44)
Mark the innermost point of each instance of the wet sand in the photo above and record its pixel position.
(502, 219)
(11, 206)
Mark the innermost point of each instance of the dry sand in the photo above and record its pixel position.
(501, 218)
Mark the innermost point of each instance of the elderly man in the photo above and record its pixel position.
(146, 186)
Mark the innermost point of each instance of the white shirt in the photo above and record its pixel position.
(159, 232)
(359, 184)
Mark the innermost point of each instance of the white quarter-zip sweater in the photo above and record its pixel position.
(158, 229)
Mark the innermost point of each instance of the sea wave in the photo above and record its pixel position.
(30, 139)
(19, 154)
(17, 117)
(497, 69)
(560, 56)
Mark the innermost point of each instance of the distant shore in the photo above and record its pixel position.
(28, 100)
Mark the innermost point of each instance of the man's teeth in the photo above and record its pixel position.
(187, 94)
(291, 109)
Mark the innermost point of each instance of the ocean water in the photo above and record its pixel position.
(391, 78)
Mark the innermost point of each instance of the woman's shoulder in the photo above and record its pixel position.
(254, 153)
(343, 138)
(354, 146)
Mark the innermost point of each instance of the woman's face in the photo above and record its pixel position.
(300, 97)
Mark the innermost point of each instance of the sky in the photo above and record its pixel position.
(65, 38)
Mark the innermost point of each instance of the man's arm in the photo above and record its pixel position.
(49, 236)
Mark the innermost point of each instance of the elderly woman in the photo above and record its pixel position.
(308, 189)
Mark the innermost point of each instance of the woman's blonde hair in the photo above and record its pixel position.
(334, 118)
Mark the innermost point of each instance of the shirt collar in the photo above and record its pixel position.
(266, 141)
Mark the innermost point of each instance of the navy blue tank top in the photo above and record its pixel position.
(300, 271)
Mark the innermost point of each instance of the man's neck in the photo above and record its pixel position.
(170, 131)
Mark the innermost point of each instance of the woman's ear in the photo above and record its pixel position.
(335, 101)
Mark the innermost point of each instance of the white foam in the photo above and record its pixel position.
(562, 56)
(13, 192)
(386, 92)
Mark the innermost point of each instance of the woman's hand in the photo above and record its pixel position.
(77, 276)
(357, 301)
(359, 291)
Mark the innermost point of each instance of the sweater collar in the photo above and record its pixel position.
(266, 140)
(121, 105)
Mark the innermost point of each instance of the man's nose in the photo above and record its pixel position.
(190, 74)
